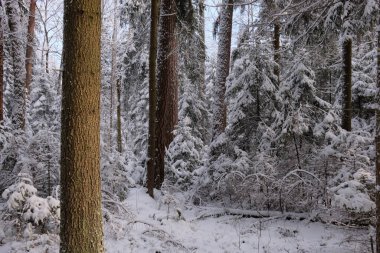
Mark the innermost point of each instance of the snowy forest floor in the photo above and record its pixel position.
(147, 226)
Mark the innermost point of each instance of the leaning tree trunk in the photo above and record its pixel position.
(1, 63)
(152, 96)
(377, 141)
(167, 111)
(29, 47)
(18, 65)
(81, 213)
(222, 71)
(347, 76)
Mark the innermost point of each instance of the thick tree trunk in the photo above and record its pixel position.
(167, 111)
(222, 70)
(29, 46)
(81, 214)
(152, 96)
(1, 63)
(347, 76)
(18, 65)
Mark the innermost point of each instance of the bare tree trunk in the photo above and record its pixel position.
(81, 213)
(222, 70)
(347, 76)
(167, 111)
(18, 65)
(377, 141)
(202, 52)
(1, 63)
(152, 96)
(29, 47)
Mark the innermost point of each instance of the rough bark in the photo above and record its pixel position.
(29, 46)
(377, 141)
(152, 96)
(1, 63)
(347, 81)
(18, 65)
(81, 214)
(167, 111)
(222, 70)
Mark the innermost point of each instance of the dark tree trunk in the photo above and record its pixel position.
(222, 70)
(377, 140)
(347, 76)
(29, 47)
(81, 213)
(1, 63)
(152, 97)
(167, 111)
(202, 52)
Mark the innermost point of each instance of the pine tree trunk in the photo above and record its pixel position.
(18, 65)
(377, 142)
(222, 70)
(152, 96)
(29, 47)
(167, 111)
(347, 75)
(202, 52)
(81, 214)
(1, 63)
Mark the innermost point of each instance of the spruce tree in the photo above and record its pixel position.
(81, 215)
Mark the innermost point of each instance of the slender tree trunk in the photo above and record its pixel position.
(152, 96)
(347, 76)
(113, 74)
(222, 70)
(29, 46)
(276, 46)
(202, 51)
(1, 63)
(377, 141)
(18, 65)
(118, 115)
(81, 213)
(167, 111)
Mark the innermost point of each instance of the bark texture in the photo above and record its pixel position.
(18, 65)
(81, 214)
(1, 63)
(29, 46)
(347, 82)
(152, 96)
(377, 141)
(222, 70)
(167, 111)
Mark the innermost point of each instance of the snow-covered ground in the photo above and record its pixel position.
(153, 226)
